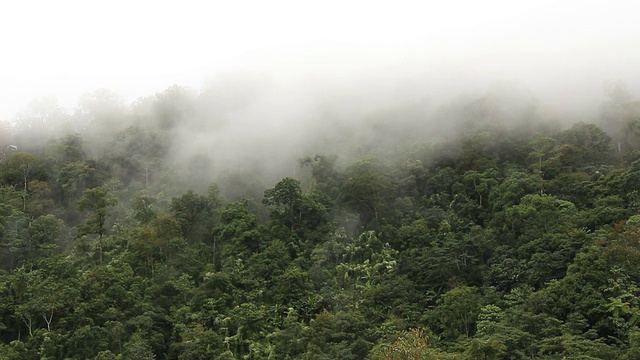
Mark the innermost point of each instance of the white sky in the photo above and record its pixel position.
(65, 48)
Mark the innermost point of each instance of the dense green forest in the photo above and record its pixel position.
(486, 231)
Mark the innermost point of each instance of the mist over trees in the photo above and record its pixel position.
(250, 123)
(257, 220)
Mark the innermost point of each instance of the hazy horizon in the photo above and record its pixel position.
(562, 52)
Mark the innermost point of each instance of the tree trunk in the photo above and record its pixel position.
(100, 247)
(27, 321)
(48, 320)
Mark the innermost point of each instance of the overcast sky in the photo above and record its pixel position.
(557, 48)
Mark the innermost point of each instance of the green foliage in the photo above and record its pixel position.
(96, 201)
(238, 232)
(19, 168)
(456, 313)
(415, 344)
(367, 188)
(327, 179)
(593, 146)
(300, 218)
(502, 244)
(195, 214)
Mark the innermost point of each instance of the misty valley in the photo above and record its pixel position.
(246, 221)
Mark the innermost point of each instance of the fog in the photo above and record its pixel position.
(240, 92)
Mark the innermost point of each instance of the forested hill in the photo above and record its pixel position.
(487, 242)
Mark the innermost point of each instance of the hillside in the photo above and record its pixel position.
(482, 229)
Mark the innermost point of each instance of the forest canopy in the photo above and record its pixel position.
(178, 228)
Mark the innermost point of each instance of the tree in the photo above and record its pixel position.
(238, 232)
(457, 312)
(41, 295)
(286, 197)
(539, 214)
(156, 240)
(301, 214)
(542, 153)
(138, 347)
(326, 178)
(593, 145)
(290, 342)
(367, 189)
(96, 202)
(20, 168)
(44, 234)
(414, 344)
(196, 214)
(13, 226)
(291, 286)
(138, 154)
(72, 179)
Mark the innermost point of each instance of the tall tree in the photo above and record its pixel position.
(20, 168)
(96, 202)
(368, 188)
